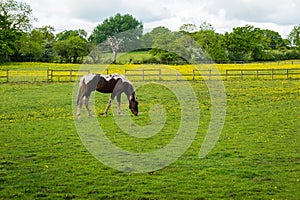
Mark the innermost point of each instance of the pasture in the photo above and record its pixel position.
(256, 157)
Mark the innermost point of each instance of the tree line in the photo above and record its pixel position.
(123, 33)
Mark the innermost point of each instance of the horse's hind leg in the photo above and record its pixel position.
(86, 102)
(79, 106)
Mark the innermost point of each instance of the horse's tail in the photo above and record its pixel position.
(81, 89)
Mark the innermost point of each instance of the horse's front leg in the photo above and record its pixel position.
(108, 106)
(119, 104)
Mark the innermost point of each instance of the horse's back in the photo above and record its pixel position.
(109, 83)
(104, 83)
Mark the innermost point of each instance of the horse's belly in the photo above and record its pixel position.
(105, 88)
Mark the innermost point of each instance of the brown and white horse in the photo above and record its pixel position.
(115, 84)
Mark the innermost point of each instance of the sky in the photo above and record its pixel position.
(223, 15)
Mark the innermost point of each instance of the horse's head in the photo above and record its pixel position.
(133, 106)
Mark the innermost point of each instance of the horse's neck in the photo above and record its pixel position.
(129, 91)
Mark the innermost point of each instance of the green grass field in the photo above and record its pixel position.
(256, 157)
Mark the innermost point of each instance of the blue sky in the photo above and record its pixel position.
(277, 15)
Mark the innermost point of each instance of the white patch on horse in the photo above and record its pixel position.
(116, 77)
(89, 77)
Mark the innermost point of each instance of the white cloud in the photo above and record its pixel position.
(95, 10)
(147, 10)
(283, 12)
(278, 15)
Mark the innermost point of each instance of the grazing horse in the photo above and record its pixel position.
(115, 84)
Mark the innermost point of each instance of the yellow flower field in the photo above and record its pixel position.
(29, 72)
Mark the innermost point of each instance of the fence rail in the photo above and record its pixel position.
(272, 74)
(65, 75)
(50, 75)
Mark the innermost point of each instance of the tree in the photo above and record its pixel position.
(71, 45)
(274, 39)
(218, 52)
(246, 43)
(294, 37)
(171, 47)
(119, 31)
(188, 28)
(206, 27)
(211, 42)
(115, 44)
(67, 34)
(37, 45)
(164, 47)
(7, 38)
(149, 38)
(78, 48)
(238, 44)
(30, 46)
(15, 18)
(48, 43)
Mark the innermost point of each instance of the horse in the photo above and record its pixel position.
(115, 84)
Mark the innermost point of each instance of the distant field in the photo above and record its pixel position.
(181, 68)
(256, 157)
(40, 71)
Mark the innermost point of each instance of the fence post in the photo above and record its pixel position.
(27, 80)
(50, 74)
(272, 74)
(7, 79)
(71, 75)
(143, 74)
(47, 75)
(241, 74)
(37, 75)
(226, 76)
(159, 74)
(287, 73)
(176, 75)
(193, 75)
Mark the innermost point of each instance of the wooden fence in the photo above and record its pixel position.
(232, 74)
(65, 75)
(40, 75)
(50, 75)
(271, 74)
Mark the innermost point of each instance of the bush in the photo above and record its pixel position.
(292, 55)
